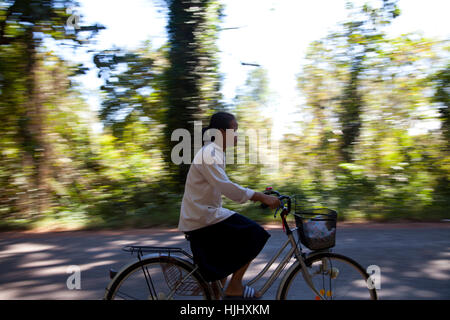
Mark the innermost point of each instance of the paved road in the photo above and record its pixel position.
(414, 259)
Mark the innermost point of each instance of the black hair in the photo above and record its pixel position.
(219, 120)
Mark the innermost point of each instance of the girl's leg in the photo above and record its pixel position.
(216, 289)
(235, 287)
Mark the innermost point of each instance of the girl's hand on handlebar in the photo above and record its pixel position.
(270, 201)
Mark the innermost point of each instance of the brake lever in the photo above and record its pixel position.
(275, 215)
(280, 207)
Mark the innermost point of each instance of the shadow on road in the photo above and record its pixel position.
(414, 262)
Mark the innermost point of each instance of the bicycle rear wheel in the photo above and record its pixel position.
(336, 277)
(158, 278)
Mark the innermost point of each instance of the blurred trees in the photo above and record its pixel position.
(173, 86)
(442, 96)
(132, 88)
(26, 95)
(441, 84)
(147, 94)
(251, 165)
(361, 146)
(365, 95)
(358, 42)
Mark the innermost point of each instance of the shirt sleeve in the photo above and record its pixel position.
(217, 177)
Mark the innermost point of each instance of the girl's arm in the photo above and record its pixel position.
(217, 177)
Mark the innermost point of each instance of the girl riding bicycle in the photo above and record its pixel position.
(222, 241)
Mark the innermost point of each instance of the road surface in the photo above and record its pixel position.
(414, 258)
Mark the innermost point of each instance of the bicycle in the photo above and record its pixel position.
(169, 273)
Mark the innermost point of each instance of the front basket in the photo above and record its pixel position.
(316, 228)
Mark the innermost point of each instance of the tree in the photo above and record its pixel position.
(360, 37)
(441, 81)
(191, 82)
(133, 87)
(364, 93)
(23, 26)
(442, 96)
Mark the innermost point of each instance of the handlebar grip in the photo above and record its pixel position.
(270, 191)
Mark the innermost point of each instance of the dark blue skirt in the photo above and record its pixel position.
(223, 248)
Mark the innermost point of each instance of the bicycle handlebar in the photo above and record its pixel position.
(281, 197)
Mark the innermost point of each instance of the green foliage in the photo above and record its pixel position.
(357, 149)
(364, 93)
(441, 96)
(30, 90)
(132, 86)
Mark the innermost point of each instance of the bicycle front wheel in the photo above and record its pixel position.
(334, 276)
(158, 278)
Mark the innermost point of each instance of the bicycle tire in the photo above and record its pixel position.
(116, 285)
(305, 292)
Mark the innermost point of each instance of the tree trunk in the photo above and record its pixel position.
(186, 103)
(36, 152)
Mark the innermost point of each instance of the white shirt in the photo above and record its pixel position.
(206, 182)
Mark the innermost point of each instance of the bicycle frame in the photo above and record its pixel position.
(296, 251)
(281, 265)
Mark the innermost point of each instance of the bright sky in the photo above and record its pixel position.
(274, 34)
